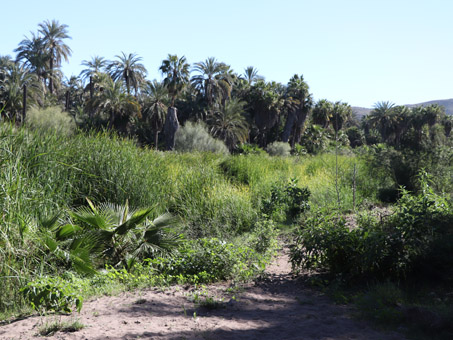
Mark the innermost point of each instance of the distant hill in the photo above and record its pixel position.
(447, 103)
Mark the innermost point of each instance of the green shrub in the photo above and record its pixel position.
(393, 247)
(279, 149)
(52, 294)
(210, 259)
(286, 200)
(195, 137)
(51, 118)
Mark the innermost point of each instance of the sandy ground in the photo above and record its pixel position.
(275, 308)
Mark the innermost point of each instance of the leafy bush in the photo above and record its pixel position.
(286, 200)
(195, 137)
(210, 259)
(392, 247)
(52, 294)
(250, 149)
(279, 149)
(51, 118)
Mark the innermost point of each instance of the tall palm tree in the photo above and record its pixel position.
(322, 113)
(176, 71)
(299, 102)
(129, 69)
(251, 75)
(214, 81)
(340, 114)
(154, 107)
(93, 67)
(16, 77)
(229, 124)
(32, 52)
(119, 106)
(53, 36)
(380, 118)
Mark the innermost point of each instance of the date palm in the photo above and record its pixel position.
(251, 75)
(154, 106)
(229, 124)
(129, 69)
(32, 53)
(119, 106)
(93, 67)
(53, 39)
(214, 81)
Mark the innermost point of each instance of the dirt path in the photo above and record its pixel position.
(278, 308)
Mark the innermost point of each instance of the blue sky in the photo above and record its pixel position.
(357, 51)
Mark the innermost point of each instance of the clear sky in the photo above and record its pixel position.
(357, 51)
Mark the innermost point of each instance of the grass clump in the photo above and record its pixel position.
(195, 137)
(51, 118)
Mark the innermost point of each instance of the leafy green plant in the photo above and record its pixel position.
(287, 199)
(52, 294)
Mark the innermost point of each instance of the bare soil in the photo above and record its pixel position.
(277, 307)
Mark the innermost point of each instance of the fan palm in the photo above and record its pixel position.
(53, 36)
(341, 112)
(176, 71)
(129, 69)
(322, 113)
(380, 118)
(119, 235)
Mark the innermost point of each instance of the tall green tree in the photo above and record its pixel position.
(229, 124)
(154, 107)
(176, 71)
(213, 80)
(53, 38)
(93, 67)
(129, 69)
(251, 75)
(322, 113)
(301, 101)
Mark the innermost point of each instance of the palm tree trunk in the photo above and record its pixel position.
(288, 126)
(24, 104)
(156, 139)
(51, 72)
(170, 127)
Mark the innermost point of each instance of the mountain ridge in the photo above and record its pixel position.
(446, 103)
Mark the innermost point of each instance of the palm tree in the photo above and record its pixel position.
(379, 118)
(322, 113)
(129, 69)
(251, 75)
(32, 52)
(53, 36)
(341, 112)
(15, 78)
(119, 106)
(176, 71)
(229, 124)
(119, 235)
(154, 107)
(93, 67)
(214, 81)
(299, 102)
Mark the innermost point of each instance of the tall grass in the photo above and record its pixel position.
(216, 195)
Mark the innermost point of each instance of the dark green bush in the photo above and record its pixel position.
(392, 247)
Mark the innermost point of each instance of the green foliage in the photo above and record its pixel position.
(250, 149)
(286, 199)
(52, 294)
(51, 118)
(390, 248)
(210, 259)
(195, 137)
(279, 149)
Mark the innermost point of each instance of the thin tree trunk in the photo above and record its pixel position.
(67, 101)
(156, 139)
(288, 126)
(24, 104)
(51, 73)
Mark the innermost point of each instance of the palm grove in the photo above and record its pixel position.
(239, 109)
